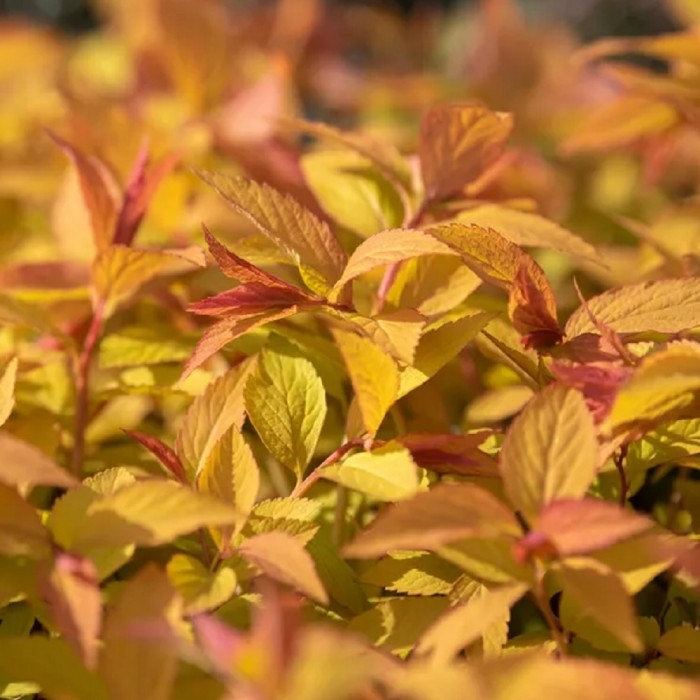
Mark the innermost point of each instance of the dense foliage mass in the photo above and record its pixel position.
(407, 409)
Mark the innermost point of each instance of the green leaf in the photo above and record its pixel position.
(387, 474)
(200, 588)
(413, 573)
(151, 512)
(351, 192)
(682, 643)
(283, 558)
(132, 665)
(8, 374)
(597, 607)
(374, 376)
(286, 404)
(666, 444)
(465, 623)
(446, 513)
(294, 516)
(139, 345)
(52, 665)
(550, 450)
(306, 240)
(219, 407)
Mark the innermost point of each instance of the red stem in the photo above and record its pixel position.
(82, 388)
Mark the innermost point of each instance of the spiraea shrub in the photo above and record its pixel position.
(326, 375)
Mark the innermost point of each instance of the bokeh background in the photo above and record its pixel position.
(590, 19)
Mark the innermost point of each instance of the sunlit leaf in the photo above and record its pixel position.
(200, 588)
(8, 375)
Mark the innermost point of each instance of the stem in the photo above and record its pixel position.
(207, 554)
(82, 388)
(302, 487)
(542, 601)
(341, 504)
(620, 465)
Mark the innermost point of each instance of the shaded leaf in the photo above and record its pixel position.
(21, 530)
(8, 375)
(24, 465)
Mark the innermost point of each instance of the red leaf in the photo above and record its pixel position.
(140, 190)
(451, 454)
(164, 454)
(582, 526)
(248, 300)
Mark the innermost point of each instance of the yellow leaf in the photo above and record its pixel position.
(663, 385)
(457, 143)
(529, 230)
(8, 375)
(432, 284)
(151, 512)
(200, 588)
(666, 444)
(550, 451)
(497, 405)
(230, 472)
(220, 406)
(387, 474)
(386, 248)
(24, 465)
(286, 403)
(682, 643)
(374, 376)
(596, 605)
(446, 513)
(118, 272)
(413, 573)
(136, 667)
(283, 558)
(306, 240)
(662, 306)
(466, 622)
(351, 192)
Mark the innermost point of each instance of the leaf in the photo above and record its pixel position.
(413, 573)
(283, 558)
(220, 406)
(446, 513)
(451, 454)
(439, 344)
(658, 306)
(577, 527)
(139, 346)
(231, 473)
(133, 667)
(550, 451)
(465, 623)
(666, 444)
(294, 516)
(71, 589)
(529, 230)
(386, 248)
(663, 385)
(286, 403)
(374, 376)
(227, 330)
(200, 588)
(23, 465)
(52, 665)
(457, 143)
(151, 512)
(119, 272)
(387, 473)
(682, 643)
(96, 194)
(597, 596)
(21, 530)
(162, 452)
(306, 240)
(8, 375)
(351, 192)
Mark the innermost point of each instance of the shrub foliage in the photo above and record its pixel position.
(406, 409)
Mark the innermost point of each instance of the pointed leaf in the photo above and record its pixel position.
(24, 465)
(284, 559)
(446, 513)
(286, 403)
(550, 451)
(162, 452)
(387, 474)
(306, 240)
